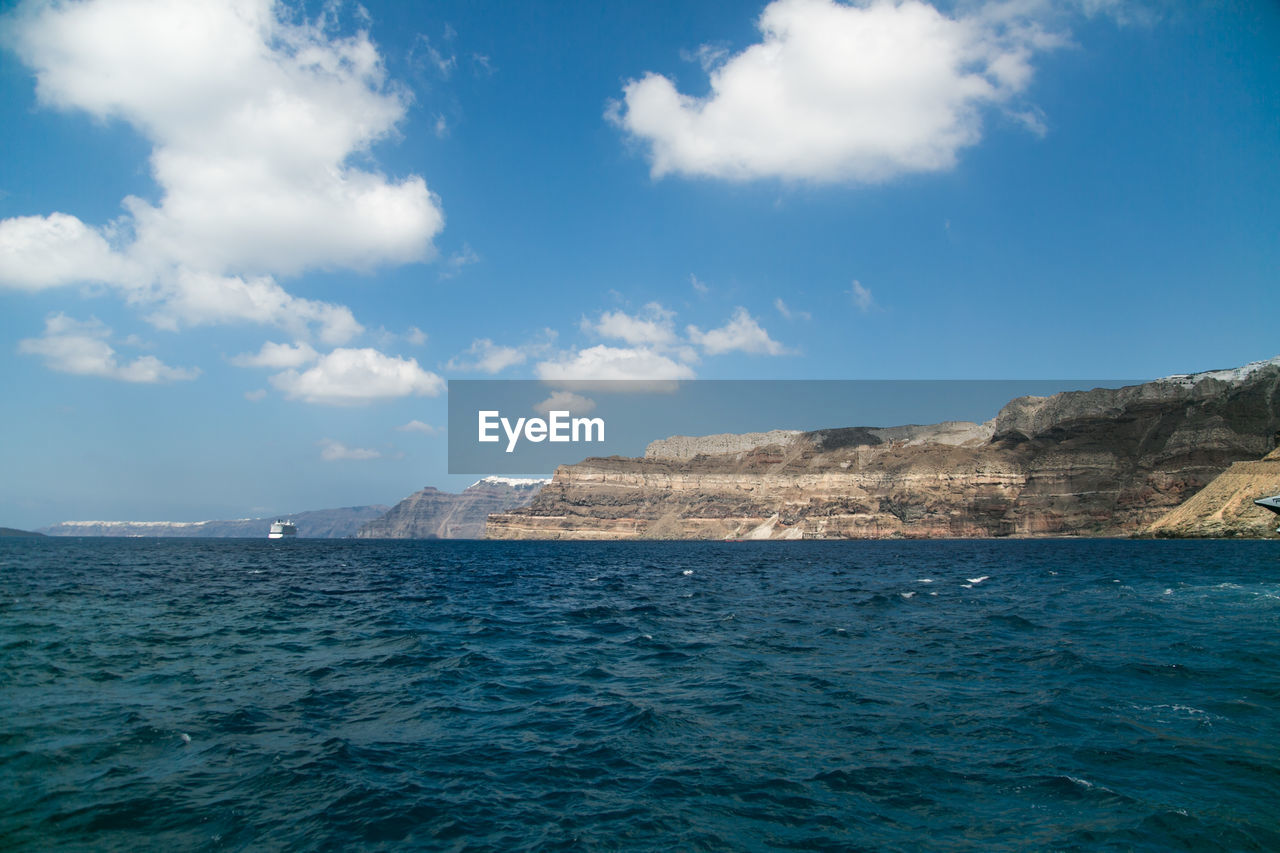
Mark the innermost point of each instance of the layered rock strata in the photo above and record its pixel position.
(1106, 462)
(1225, 508)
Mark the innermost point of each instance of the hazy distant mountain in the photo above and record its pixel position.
(314, 524)
(433, 514)
(13, 531)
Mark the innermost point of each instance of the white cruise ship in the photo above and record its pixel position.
(281, 529)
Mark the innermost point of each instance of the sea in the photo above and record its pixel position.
(169, 694)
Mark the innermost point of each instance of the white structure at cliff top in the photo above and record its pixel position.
(513, 482)
(1233, 374)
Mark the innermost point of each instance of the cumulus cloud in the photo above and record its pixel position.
(419, 426)
(656, 350)
(606, 362)
(487, 357)
(37, 252)
(653, 326)
(565, 401)
(743, 333)
(80, 347)
(336, 451)
(354, 376)
(254, 123)
(277, 356)
(858, 92)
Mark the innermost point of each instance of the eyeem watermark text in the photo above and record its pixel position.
(559, 426)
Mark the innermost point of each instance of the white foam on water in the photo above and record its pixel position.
(687, 572)
(925, 580)
(906, 594)
(979, 579)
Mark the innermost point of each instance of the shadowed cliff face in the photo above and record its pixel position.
(433, 514)
(1096, 463)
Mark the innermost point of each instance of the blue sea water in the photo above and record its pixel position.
(332, 695)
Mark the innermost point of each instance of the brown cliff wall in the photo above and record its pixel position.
(1096, 463)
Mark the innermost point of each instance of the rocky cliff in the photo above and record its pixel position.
(433, 514)
(1225, 507)
(1106, 462)
(314, 524)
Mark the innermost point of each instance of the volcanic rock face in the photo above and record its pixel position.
(1097, 463)
(433, 514)
(1225, 507)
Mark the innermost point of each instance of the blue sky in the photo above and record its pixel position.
(243, 245)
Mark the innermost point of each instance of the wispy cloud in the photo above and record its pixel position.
(336, 451)
(861, 296)
(788, 313)
(80, 347)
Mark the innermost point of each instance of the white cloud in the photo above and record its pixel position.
(277, 356)
(419, 426)
(256, 395)
(699, 286)
(416, 336)
(464, 257)
(254, 122)
(653, 327)
(789, 313)
(565, 401)
(355, 376)
(742, 333)
(838, 92)
(336, 451)
(50, 251)
(73, 346)
(605, 362)
(203, 299)
(487, 357)
(861, 296)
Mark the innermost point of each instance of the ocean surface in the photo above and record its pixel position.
(353, 695)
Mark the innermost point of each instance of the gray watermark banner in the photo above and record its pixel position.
(529, 426)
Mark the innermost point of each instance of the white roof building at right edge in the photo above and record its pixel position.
(1233, 374)
(514, 482)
